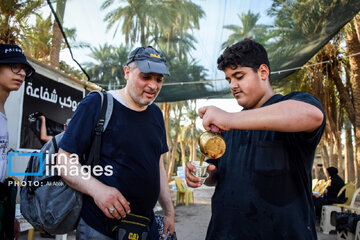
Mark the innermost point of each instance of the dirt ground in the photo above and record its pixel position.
(190, 221)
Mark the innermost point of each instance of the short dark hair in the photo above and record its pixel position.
(246, 53)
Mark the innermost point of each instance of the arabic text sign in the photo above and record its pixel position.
(56, 100)
(43, 94)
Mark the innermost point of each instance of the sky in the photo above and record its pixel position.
(229, 105)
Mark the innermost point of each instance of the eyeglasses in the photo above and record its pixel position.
(16, 68)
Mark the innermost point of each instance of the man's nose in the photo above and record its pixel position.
(153, 84)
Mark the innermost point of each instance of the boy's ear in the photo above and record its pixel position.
(264, 71)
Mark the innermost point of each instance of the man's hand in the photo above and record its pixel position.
(195, 182)
(169, 224)
(214, 119)
(110, 198)
(111, 202)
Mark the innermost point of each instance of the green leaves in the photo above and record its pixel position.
(107, 70)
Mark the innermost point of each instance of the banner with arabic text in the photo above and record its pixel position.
(53, 99)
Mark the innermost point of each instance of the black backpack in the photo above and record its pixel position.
(47, 202)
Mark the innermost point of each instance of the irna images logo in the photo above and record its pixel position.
(13, 156)
(69, 165)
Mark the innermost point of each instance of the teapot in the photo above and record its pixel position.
(212, 145)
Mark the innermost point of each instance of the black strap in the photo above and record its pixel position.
(55, 144)
(94, 155)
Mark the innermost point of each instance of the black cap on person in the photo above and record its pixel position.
(148, 60)
(11, 53)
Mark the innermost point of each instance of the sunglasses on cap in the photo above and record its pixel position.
(16, 68)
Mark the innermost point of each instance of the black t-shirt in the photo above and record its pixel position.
(264, 183)
(132, 144)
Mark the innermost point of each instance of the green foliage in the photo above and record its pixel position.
(71, 70)
(37, 40)
(14, 15)
(301, 28)
(107, 71)
(188, 76)
(249, 29)
(142, 19)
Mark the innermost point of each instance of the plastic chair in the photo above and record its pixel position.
(351, 208)
(349, 194)
(325, 225)
(183, 194)
(357, 231)
(354, 205)
(326, 210)
(344, 235)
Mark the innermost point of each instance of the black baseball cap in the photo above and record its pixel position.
(148, 60)
(11, 53)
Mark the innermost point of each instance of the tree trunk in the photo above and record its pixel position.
(356, 168)
(316, 172)
(194, 143)
(332, 155)
(340, 159)
(356, 164)
(183, 154)
(325, 156)
(57, 35)
(353, 45)
(142, 35)
(357, 25)
(349, 153)
(55, 46)
(325, 162)
(166, 113)
(172, 160)
(190, 145)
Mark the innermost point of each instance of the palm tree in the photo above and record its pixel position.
(136, 17)
(178, 44)
(249, 29)
(173, 34)
(353, 107)
(319, 80)
(14, 15)
(108, 69)
(57, 36)
(302, 28)
(71, 70)
(183, 71)
(332, 84)
(176, 113)
(143, 18)
(37, 41)
(349, 152)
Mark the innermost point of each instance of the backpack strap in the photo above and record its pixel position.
(107, 105)
(55, 144)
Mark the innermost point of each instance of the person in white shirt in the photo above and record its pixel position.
(14, 68)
